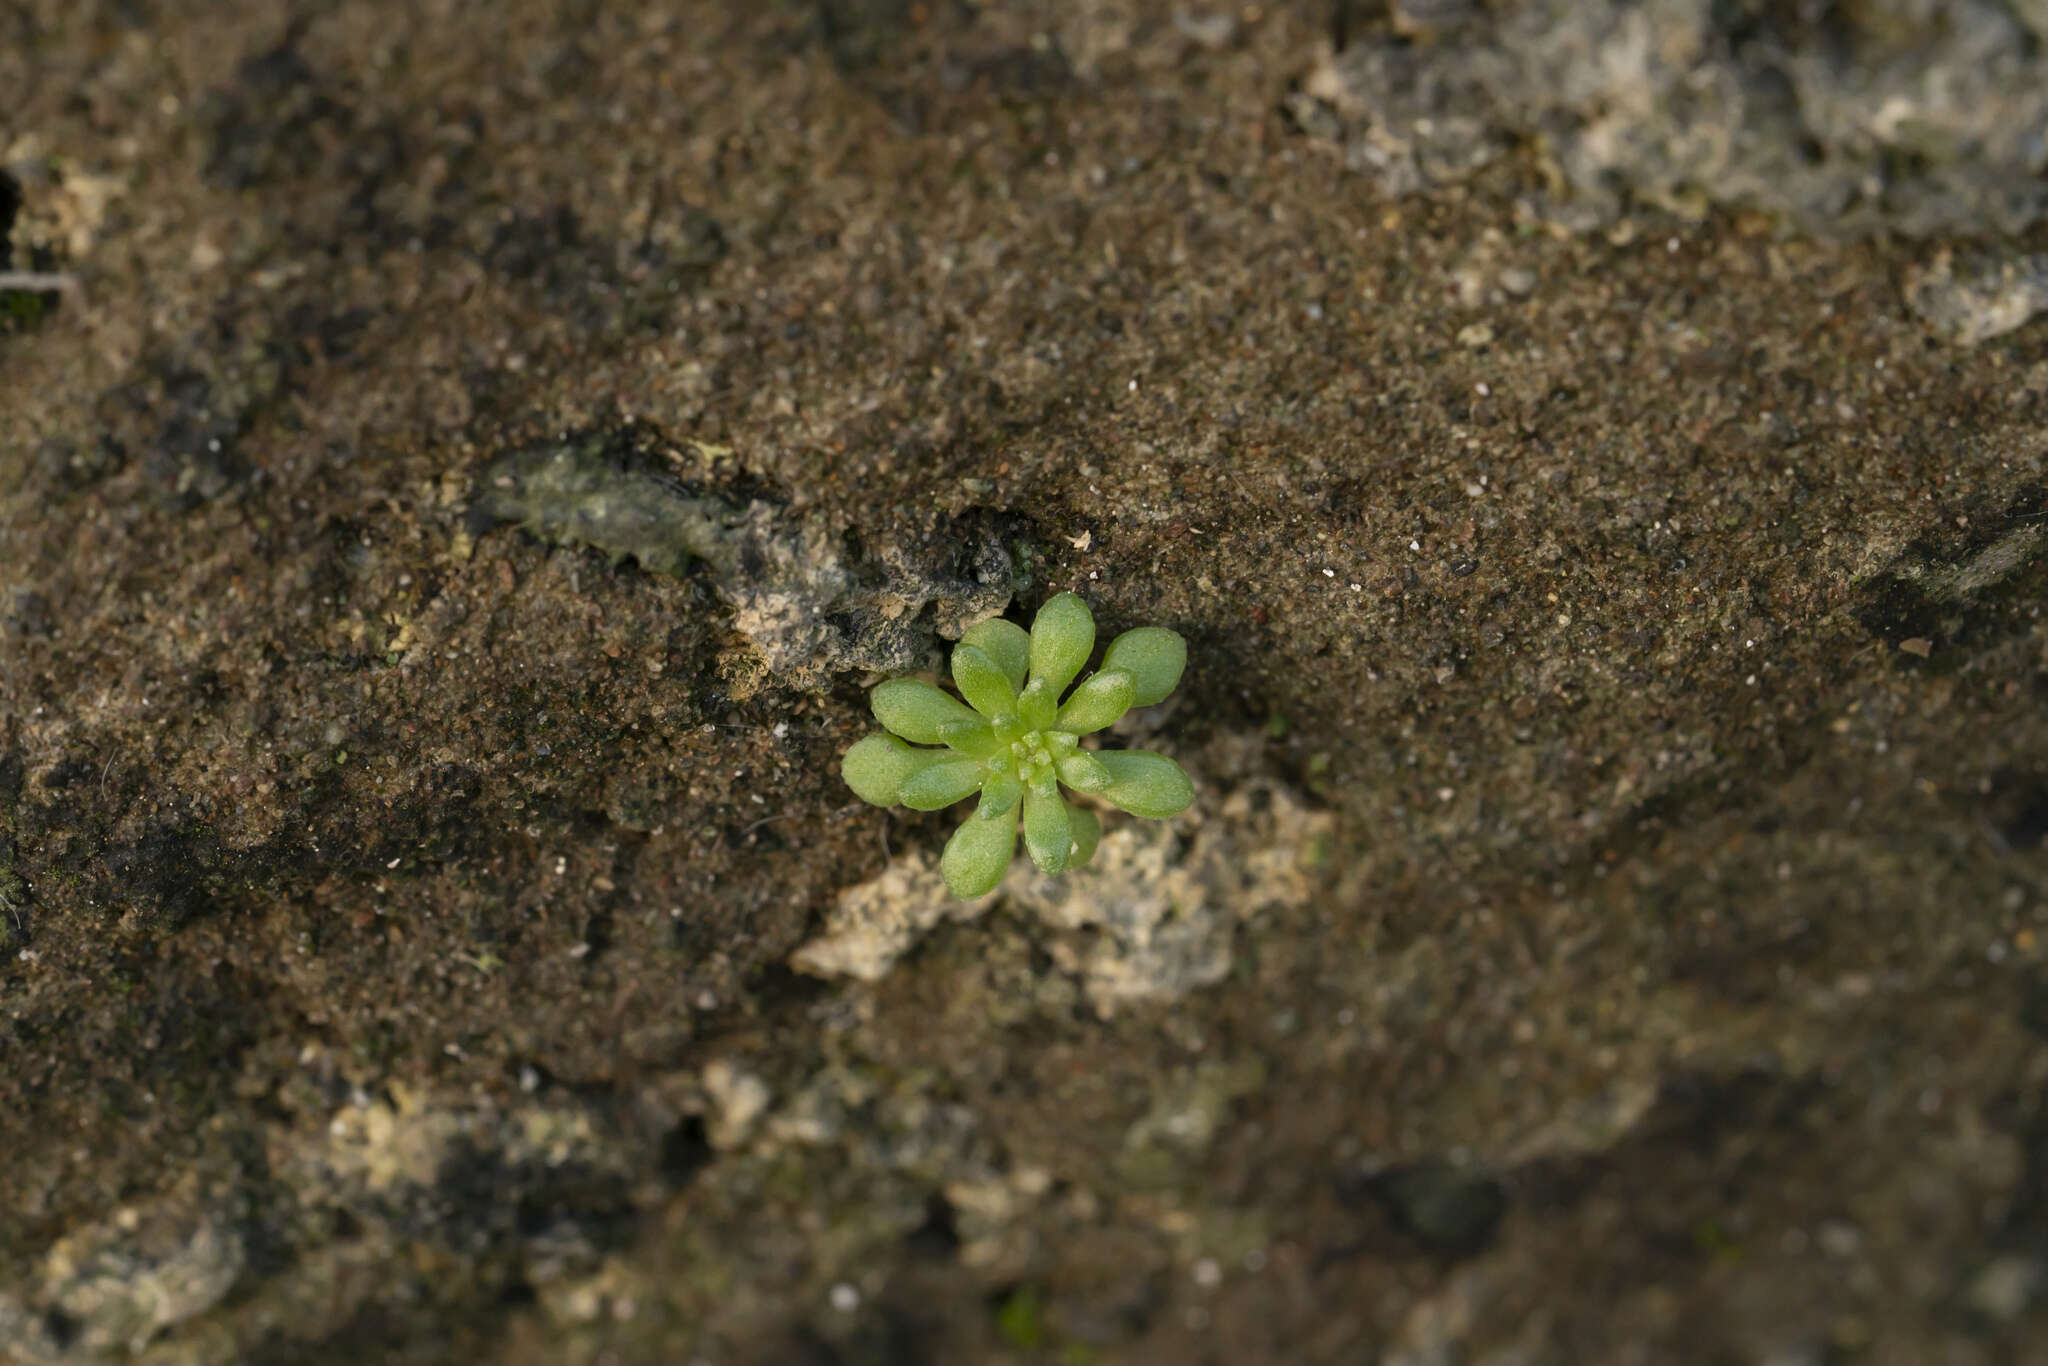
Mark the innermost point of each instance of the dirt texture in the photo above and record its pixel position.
(463, 463)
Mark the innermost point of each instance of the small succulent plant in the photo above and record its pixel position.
(1016, 741)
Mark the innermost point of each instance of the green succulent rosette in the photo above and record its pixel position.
(1016, 741)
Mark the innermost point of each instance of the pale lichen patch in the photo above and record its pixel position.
(1164, 899)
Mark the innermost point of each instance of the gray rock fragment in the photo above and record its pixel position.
(738, 1099)
(113, 1286)
(793, 589)
(1900, 115)
(2005, 1288)
(876, 922)
(1165, 898)
(1979, 296)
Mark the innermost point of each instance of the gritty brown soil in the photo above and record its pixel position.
(399, 903)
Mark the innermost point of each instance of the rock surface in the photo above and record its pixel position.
(1899, 115)
(432, 926)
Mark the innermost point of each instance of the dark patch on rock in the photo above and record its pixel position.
(196, 457)
(68, 466)
(277, 122)
(545, 249)
(862, 35)
(778, 987)
(67, 773)
(283, 122)
(2016, 808)
(1895, 609)
(1119, 1309)
(911, 58)
(2033, 1011)
(60, 1328)
(375, 1332)
(481, 1198)
(938, 1237)
(699, 240)
(685, 1151)
(893, 1334)
(1699, 1123)
(1957, 591)
(316, 334)
(171, 872)
(175, 867)
(11, 200)
(1449, 1209)
(608, 288)
(2020, 1239)
(29, 615)
(801, 1347)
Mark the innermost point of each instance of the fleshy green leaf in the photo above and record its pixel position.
(982, 681)
(999, 794)
(1145, 784)
(1038, 704)
(1097, 702)
(978, 855)
(1046, 832)
(1084, 773)
(1062, 636)
(1087, 832)
(875, 768)
(1007, 643)
(941, 784)
(1154, 658)
(974, 738)
(915, 710)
